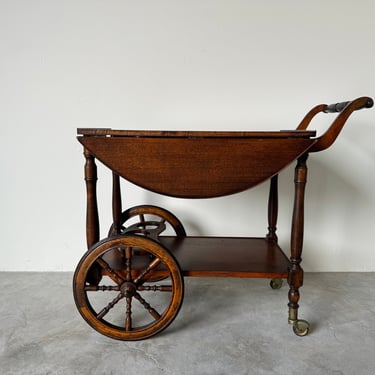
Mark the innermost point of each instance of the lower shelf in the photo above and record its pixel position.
(228, 256)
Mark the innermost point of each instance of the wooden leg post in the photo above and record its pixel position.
(273, 205)
(295, 278)
(116, 203)
(92, 217)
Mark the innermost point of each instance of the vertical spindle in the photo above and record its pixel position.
(92, 216)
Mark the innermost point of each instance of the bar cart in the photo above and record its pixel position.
(130, 285)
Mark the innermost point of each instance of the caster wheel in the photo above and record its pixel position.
(127, 303)
(276, 283)
(301, 327)
(149, 221)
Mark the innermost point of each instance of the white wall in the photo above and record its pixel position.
(178, 64)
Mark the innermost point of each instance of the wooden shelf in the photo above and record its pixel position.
(228, 256)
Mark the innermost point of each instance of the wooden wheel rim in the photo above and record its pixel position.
(108, 329)
(149, 228)
(162, 213)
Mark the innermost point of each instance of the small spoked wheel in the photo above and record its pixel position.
(125, 305)
(149, 221)
(301, 327)
(276, 283)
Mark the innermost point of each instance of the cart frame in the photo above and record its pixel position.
(137, 258)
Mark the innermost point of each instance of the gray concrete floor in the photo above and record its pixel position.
(225, 326)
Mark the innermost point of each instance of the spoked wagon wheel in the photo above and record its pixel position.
(125, 305)
(150, 221)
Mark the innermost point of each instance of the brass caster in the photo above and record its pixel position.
(301, 327)
(276, 283)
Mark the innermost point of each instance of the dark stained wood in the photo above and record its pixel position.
(127, 289)
(228, 257)
(116, 203)
(273, 206)
(150, 220)
(92, 217)
(310, 115)
(359, 103)
(201, 167)
(295, 277)
(345, 109)
(107, 132)
(138, 259)
(214, 257)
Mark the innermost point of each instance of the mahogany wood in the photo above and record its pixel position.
(107, 132)
(137, 258)
(116, 203)
(150, 220)
(273, 206)
(199, 167)
(295, 277)
(92, 216)
(113, 315)
(228, 257)
(345, 109)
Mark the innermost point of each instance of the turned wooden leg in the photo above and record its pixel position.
(295, 277)
(116, 203)
(92, 217)
(273, 205)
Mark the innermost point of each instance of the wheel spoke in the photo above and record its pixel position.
(106, 309)
(147, 306)
(156, 288)
(128, 263)
(95, 288)
(160, 228)
(129, 287)
(142, 220)
(150, 267)
(128, 318)
(111, 273)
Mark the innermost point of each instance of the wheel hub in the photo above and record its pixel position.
(128, 289)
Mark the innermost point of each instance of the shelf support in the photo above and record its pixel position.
(273, 204)
(92, 216)
(116, 202)
(295, 277)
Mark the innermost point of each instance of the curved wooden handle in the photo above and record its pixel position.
(345, 109)
(310, 115)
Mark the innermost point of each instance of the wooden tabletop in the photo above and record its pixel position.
(107, 132)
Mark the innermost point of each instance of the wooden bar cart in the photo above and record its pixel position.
(130, 285)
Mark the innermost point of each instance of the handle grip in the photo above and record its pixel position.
(338, 107)
(345, 109)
